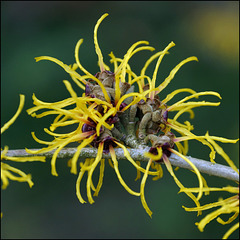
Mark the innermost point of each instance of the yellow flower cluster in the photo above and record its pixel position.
(111, 114)
(8, 172)
(226, 206)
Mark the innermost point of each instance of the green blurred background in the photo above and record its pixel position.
(208, 30)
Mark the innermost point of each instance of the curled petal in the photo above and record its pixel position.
(13, 119)
(143, 182)
(97, 48)
(115, 164)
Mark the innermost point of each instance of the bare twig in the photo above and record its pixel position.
(138, 154)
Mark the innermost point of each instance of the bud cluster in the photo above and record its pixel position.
(145, 119)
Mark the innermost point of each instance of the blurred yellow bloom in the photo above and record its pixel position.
(221, 38)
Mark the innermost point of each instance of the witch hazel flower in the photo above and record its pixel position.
(120, 109)
(227, 206)
(9, 172)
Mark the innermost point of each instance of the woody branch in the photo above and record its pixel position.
(203, 166)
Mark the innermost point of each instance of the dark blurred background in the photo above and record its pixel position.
(208, 30)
